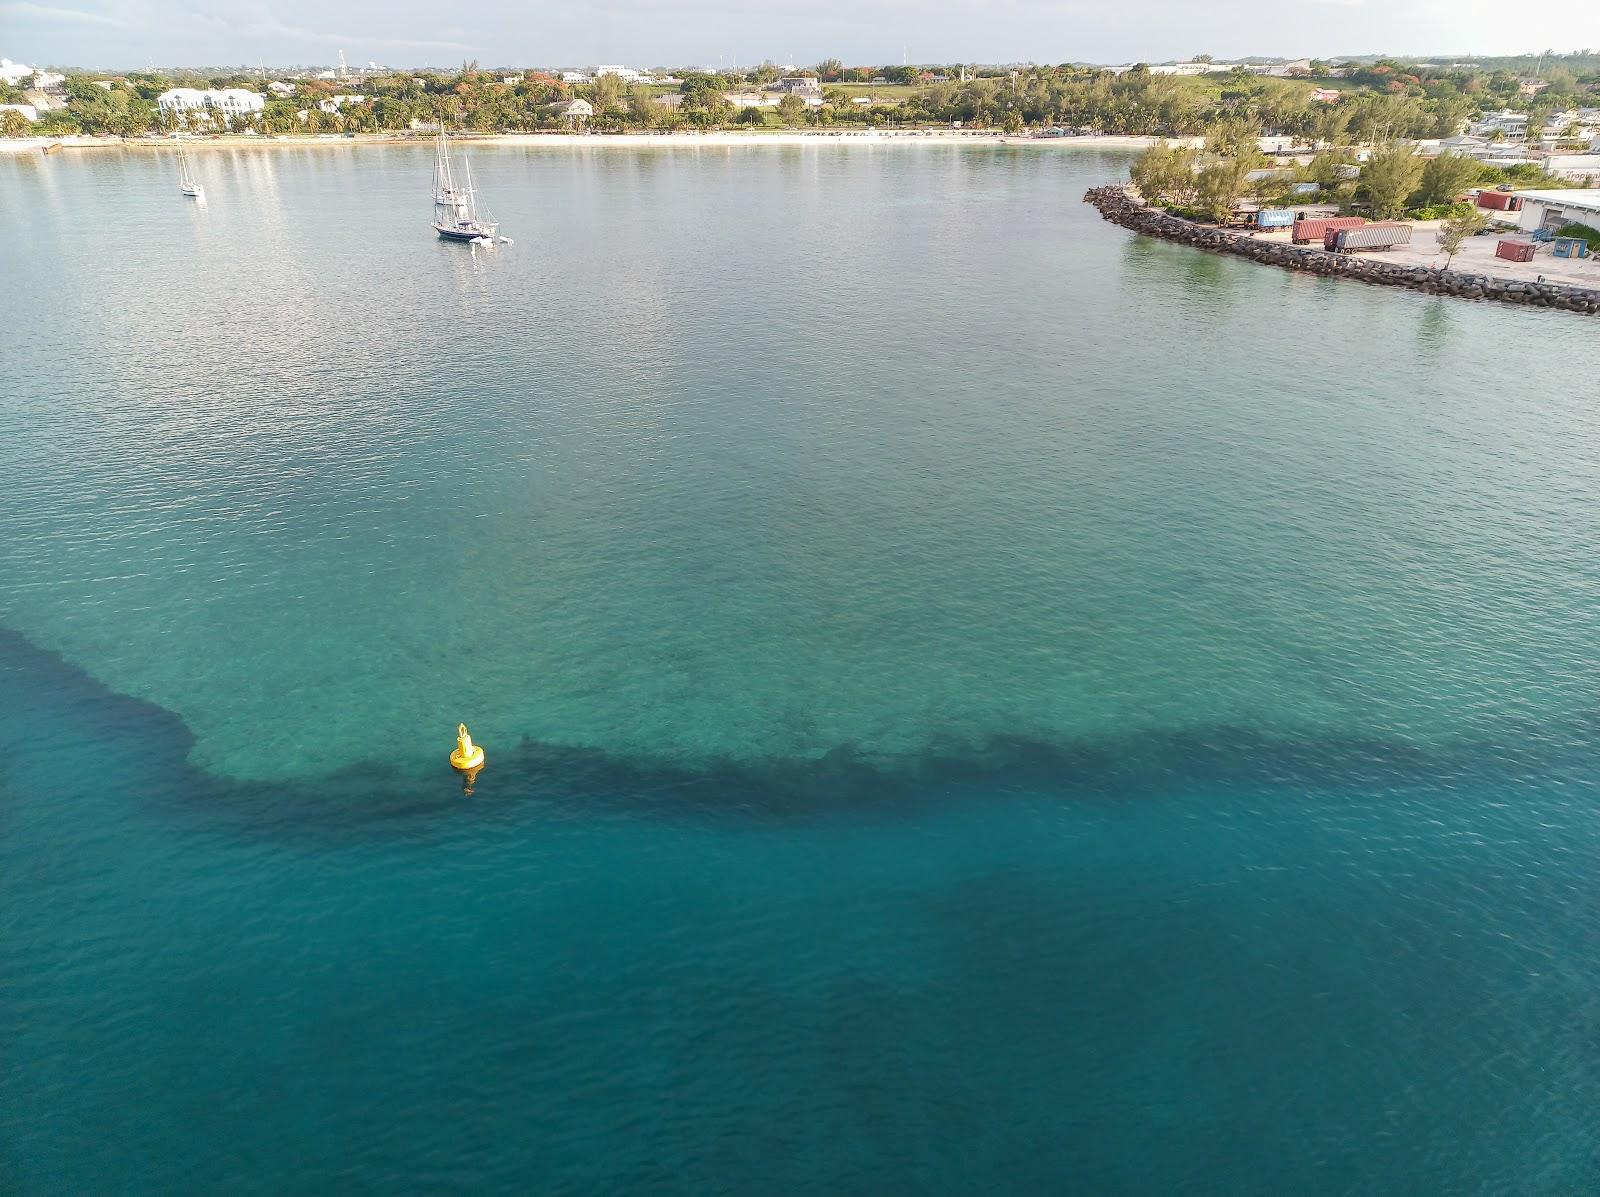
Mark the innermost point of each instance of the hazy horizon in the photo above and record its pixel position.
(134, 33)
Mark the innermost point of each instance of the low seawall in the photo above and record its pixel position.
(1116, 205)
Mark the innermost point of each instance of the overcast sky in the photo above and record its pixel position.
(130, 33)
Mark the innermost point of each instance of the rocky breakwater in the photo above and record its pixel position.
(1117, 206)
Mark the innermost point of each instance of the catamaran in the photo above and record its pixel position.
(455, 204)
(186, 179)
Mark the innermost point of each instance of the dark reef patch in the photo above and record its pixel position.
(575, 782)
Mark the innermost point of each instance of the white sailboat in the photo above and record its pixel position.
(186, 180)
(456, 216)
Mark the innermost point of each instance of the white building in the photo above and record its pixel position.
(231, 102)
(1552, 209)
(334, 103)
(279, 88)
(798, 85)
(573, 112)
(576, 77)
(1511, 124)
(626, 74)
(12, 73)
(1190, 68)
(29, 112)
(750, 99)
(1573, 166)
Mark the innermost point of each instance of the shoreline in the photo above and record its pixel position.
(719, 140)
(1116, 205)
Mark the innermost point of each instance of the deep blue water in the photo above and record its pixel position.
(974, 701)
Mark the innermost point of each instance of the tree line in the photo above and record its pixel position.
(1211, 181)
(1380, 101)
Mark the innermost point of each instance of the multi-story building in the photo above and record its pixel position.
(231, 102)
(12, 73)
(798, 85)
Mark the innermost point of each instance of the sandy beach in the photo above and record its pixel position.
(602, 140)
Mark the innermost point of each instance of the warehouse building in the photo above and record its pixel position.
(1552, 209)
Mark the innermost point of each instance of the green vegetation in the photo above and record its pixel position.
(1382, 101)
(1394, 182)
(1220, 185)
(1441, 211)
(1390, 176)
(1457, 228)
(1444, 178)
(1166, 174)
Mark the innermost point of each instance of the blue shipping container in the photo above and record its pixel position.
(1571, 247)
(1274, 218)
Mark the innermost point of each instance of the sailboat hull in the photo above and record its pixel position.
(455, 234)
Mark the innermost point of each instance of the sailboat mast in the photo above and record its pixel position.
(469, 205)
(443, 181)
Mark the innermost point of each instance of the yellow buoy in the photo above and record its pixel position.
(467, 756)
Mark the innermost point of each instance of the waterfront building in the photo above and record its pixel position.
(231, 102)
(1552, 209)
(29, 112)
(573, 112)
(12, 73)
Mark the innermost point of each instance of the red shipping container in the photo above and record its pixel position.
(1514, 251)
(1500, 201)
(1315, 228)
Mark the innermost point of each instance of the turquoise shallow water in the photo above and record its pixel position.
(974, 700)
